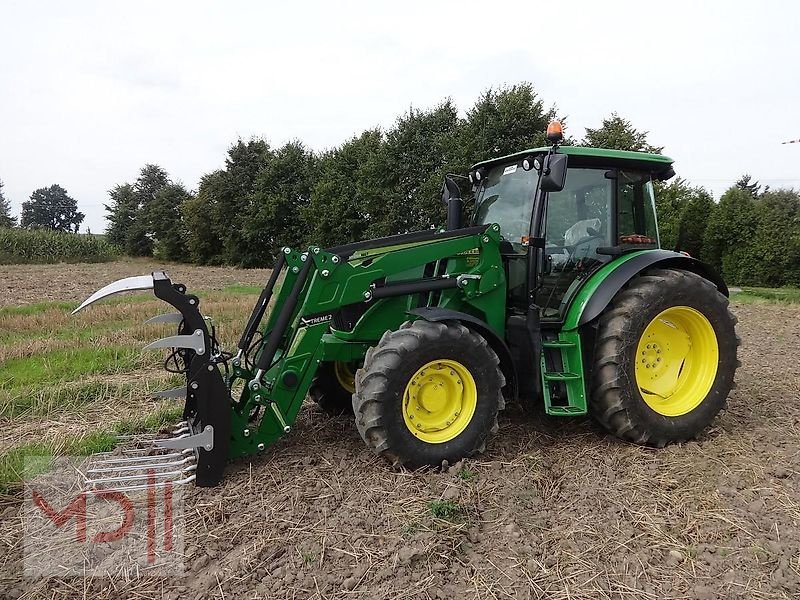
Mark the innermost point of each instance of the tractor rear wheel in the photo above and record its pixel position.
(665, 358)
(333, 386)
(427, 393)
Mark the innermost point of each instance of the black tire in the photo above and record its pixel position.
(390, 366)
(329, 393)
(616, 401)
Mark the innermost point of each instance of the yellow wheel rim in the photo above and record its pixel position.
(345, 375)
(439, 401)
(676, 361)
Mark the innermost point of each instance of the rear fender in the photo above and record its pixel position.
(596, 294)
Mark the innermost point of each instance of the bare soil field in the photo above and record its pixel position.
(554, 509)
(24, 284)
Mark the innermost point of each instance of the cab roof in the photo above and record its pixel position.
(588, 157)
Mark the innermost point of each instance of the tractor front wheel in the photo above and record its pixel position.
(333, 386)
(665, 358)
(427, 393)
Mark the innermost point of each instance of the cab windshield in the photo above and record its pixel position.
(506, 198)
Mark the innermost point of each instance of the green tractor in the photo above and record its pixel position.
(555, 291)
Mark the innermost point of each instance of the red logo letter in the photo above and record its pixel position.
(76, 508)
(127, 521)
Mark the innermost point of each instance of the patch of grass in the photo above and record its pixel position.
(36, 308)
(72, 396)
(309, 557)
(449, 510)
(243, 289)
(43, 401)
(21, 463)
(90, 443)
(67, 364)
(77, 332)
(168, 415)
(759, 294)
(466, 474)
(410, 529)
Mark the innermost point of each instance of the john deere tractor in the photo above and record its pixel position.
(553, 292)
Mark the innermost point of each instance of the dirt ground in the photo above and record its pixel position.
(555, 508)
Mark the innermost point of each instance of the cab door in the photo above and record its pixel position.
(578, 221)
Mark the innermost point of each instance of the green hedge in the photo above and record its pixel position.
(45, 246)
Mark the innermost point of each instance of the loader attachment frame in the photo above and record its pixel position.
(206, 410)
(205, 429)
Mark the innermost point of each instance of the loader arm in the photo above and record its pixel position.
(267, 380)
(297, 335)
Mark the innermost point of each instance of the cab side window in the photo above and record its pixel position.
(636, 213)
(578, 218)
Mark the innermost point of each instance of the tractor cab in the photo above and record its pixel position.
(605, 207)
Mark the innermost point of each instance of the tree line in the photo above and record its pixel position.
(48, 231)
(48, 208)
(377, 183)
(387, 181)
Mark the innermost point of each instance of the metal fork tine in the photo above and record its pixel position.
(194, 341)
(128, 451)
(143, 467)
(178, 392)
(146, 486)
(118, 452)
(144, 459)
(145, 437)
(175, 318)
(140, 477)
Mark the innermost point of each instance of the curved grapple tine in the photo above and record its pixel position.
(195, 341)
(129, 284)
(178, 392)
(174, 318)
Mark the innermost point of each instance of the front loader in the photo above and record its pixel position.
(556, 292)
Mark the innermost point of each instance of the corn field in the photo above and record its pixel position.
(45, 246)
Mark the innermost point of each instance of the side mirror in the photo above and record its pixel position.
(450, 190)
(554, 173)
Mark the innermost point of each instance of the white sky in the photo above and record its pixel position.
(91, 91)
